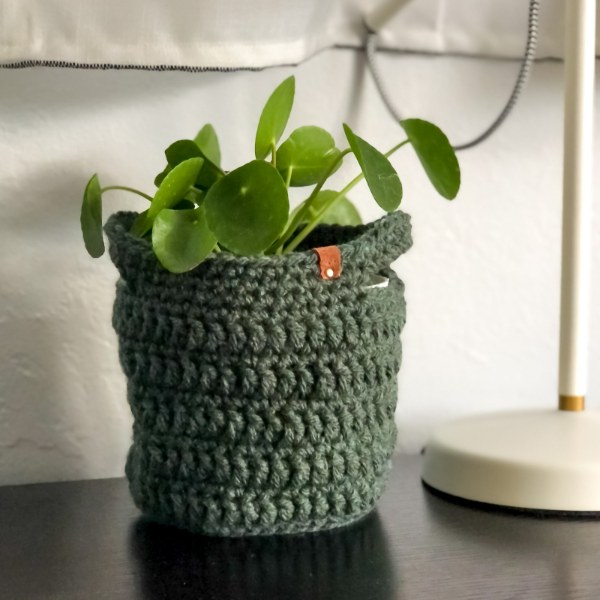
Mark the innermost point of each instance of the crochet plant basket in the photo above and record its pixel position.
(263, 395)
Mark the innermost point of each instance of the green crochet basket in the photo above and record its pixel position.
(263, 395)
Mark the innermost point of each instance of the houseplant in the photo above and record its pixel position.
(261, 361)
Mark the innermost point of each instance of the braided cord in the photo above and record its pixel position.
(522, 77)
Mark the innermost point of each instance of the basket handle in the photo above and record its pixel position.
(378, 245)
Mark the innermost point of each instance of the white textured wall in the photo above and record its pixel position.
(482, 278)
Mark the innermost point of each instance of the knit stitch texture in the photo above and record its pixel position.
(263, 396)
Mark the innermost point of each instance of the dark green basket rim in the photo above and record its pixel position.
(377, 243)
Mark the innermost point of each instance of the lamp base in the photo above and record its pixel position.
(534, 460)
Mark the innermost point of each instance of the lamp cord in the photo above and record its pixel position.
(522, 77)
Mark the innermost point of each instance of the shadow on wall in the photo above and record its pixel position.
(57, 348)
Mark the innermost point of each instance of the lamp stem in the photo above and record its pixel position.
(577, 199)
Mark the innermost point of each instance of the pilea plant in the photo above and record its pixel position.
(198, 208)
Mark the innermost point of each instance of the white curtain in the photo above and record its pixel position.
(256, 33)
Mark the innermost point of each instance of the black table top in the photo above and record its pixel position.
(85, 540)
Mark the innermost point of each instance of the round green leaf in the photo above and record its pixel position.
(306, 155)
(436, 155)
(160, 177)
(274, 117)
(182, 150)
(173, 188)
(91, 218)
(175, 185)
(206, 139)
(381, 177)
(248, 208)
(181, 239)
(140, 227)
(341, 212)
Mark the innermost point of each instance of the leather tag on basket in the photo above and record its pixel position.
(330, 261)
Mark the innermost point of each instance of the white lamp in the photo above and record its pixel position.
(544, 460)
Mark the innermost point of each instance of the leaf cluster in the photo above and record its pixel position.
(198, 208)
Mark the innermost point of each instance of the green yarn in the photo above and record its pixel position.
(263, 396)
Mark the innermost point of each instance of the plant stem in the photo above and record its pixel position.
(396, 147)
(287, 234)
(126, 189)
(310, 226)
(274, 155)
(288, 178)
